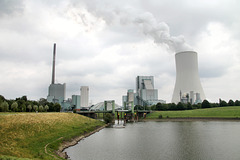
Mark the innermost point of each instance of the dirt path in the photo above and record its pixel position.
(51, 153)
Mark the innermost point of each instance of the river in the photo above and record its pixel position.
(190, 140)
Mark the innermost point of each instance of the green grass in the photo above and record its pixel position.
(25, 135)
(219, 112)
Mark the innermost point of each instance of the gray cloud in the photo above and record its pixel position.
(10, 7)
(106, 44)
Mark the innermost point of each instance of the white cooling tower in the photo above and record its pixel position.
(187, 77)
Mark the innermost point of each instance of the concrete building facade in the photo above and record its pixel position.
(76, 101)
(56, 93)
(84, 96)
(145, 91)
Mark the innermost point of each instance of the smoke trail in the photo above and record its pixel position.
(158, 31)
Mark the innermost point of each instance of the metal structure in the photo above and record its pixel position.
(187, 77)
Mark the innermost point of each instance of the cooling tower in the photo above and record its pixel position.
(187, 77)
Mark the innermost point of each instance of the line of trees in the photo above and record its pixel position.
(188, 106)
(22, 104)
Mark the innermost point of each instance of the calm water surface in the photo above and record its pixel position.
(197, 140)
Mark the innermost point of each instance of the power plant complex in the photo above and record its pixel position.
(188, 87)
(57, 92)
(145, 94)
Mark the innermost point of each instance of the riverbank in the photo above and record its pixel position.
(186, 119)
(232, 112)
(74, 141)
(39, 135)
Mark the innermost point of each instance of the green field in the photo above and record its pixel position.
(219, 112)
(26, 135)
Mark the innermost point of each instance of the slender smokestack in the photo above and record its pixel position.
(53, 68)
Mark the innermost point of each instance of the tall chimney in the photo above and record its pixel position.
(53, 68)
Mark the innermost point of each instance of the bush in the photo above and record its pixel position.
(231, 103)
(160, 116)
(206, 104)
(108, 118)
(223, 103)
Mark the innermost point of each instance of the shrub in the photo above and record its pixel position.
(206, 104)
(108, 118)
(160, 116)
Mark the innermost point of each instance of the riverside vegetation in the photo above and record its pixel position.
(218, 112)
(26, 135)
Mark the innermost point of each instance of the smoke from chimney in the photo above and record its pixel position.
(148, 24)
(53, 67)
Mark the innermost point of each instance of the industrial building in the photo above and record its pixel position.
(145, 94)
(56, 92)
(188, 87)
(76, 101)
(84, 96)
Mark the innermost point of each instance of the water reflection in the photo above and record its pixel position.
(162, 140)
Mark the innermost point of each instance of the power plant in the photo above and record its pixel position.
(57, 92)
(188, 87)
(145, 94)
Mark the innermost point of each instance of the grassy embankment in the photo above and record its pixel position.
(26, 135)
(219, 112)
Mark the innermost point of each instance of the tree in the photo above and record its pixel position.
(1, 108)
(139, 107)
(223, 103)
(40, 108)
(108, 118)
(189, 106)
(24, 98)
(153, 107)
(57, 107)
(231, 103)
(35, 108)
(196, 106)
(29, 107)
(237, 103)
(5, 106)
(46, 107)
(161, 107)
(206, 104)
(14, 106)
(172, 106)
(23, 108)
(2, 99)
(180, 106)
(43, 101)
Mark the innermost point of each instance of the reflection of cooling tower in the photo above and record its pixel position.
(187, 78)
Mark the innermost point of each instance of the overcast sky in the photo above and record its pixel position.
(106, 44)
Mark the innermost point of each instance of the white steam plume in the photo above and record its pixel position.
(159, 31)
